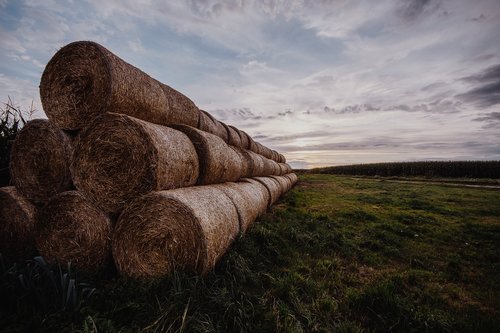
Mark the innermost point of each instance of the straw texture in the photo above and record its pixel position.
(187, 229)
(40, 159)
(84, 80)
(17, 225)
(250, 200)
(233, 136)
(272, 186)
(71, 229)
(118, 158)
(219, 162)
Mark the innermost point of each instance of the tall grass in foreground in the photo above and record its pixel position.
(12, 119)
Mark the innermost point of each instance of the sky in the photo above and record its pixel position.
(323, 82)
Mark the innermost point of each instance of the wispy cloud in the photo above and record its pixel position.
(296, 74)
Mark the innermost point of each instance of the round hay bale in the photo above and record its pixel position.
(252, 146)
(250, 200)
(219, 162)
(233, 136)
(17, 225)
(39, 161)
(267, 153)
(118, 158)
(284, 182)
(247, 163)
(283, 169)
(268, 170)
(293, 178)
(187, 229)
(282, 158)
(276, 168)
(257, 164)
(245, 139)
(275, 156)
(211, 125)
(71, 229)
(84, 80)
(273, 187)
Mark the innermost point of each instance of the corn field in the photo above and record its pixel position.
(452, 169)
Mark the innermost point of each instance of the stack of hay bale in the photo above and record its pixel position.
(129, 170)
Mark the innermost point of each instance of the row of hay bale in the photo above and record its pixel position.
(186, 229)
(129, 171)
(84, 80)
(117, 158)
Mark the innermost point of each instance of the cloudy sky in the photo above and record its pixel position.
(324, 82)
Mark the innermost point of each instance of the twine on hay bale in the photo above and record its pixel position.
(211, 125)
(250, 200)
(187, 229)
(39, 161)
(219, 162)
(71, 229)
(84, 80)
(118, 158)
(272, 186)
(17, 225)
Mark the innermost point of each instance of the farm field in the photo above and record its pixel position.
(336, 253)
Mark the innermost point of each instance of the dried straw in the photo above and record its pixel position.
(84, 80)
(245, 139)
(187, 229)
(17, 224)
(233, 136)
(118, 158)
(39, 161)
(257, 164)
(285, 184)
(283, 169)
(71, 229)
(211, 125)
(272, 185)
(250, 200)
(293, 178)
(219, 162)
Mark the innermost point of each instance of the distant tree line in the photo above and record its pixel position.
(452, 169)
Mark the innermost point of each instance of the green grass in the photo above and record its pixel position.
(335, 254)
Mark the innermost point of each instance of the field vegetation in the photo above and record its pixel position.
(448, 169)
(336, 253)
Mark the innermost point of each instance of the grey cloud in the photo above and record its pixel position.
(438, 106)
(356, 108)
(411, 9)
(288, 138)
(492, 120)
(489, 75)
(487, 90)
(483, 96)
(480, 18)
(433, 86)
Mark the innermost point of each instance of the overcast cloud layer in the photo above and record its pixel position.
(324, 82)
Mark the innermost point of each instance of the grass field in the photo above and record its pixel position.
(335, 254)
